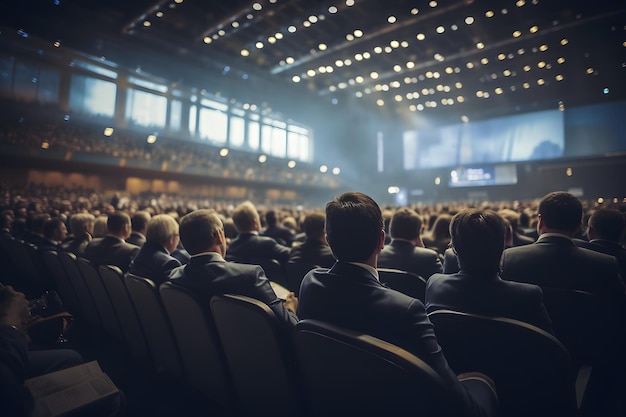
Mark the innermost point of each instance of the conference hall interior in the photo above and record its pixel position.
(182, 132)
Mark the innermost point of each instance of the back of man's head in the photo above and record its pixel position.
(270, 218)
(512, 216)
(117, 223)
(160, 229)
(354, 224)
(52, 229)
(314, 225)
(81, 224)
(139, 221)
(198, 229)
(405, 224)
(561, 211)
(478, 238)
(607, 224)
(245, 217)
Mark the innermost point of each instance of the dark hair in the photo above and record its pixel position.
(478, 238)
(116, 221)
(197, 230)
(561, 211)
(51, 226)
(353, 226)
(441, 227)
(405, 224)
(608, 224)
(314, 225)
(270, 218)
(140, 220)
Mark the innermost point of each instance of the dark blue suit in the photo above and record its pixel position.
(249, 246)
(609, 248)
(403, 255)
(488, 295)
(153, 262)
(350, 296)
(111, 250)
(209, 274)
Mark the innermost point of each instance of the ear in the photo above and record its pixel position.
(381, 240)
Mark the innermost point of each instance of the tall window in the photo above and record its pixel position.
(176, 111)
(237, 133)
(213, 125)
(92, 95)
(146, 109)
(298, 143)
(254, 134)
(193, 118)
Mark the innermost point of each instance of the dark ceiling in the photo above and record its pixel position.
(447, 58)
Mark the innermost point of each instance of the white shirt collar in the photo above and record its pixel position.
(545, 235)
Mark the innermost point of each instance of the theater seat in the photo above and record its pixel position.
(161, 343)
(295, 272)
(405, 282)
(532, 370)
(346, 373)
(201, 352)
(259, 356)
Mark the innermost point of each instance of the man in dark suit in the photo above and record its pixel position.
(605, 229)
(351, 296)
(208, 274)
(154, 260)
(478, 237)
(112, 249)
(554, 261)
(314, 250)
(139, 225)
(277, 232)
(54, 232)
(406, 250)
(248, 245)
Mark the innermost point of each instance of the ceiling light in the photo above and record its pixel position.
(366, 55)
(480, 45)
(159, 14)
(313, 19)
(322, 46)
(489, 13)
(235, 24)
(306, 24)
(329, 69)
(339, 63)
(460, 99)
(526, 86)
(291, 29)
(464, 119)
(394, 44)
(358, 57)
(311, 73)
(349, 3)
(291, 164)
(323, 169)
(521, 51)
(221, 32)
(290, 60)
(469, 20)
(433, 4)
(147, 23)
(391, 19)
(262, 158)
(589, 70)
(540, 81)
(257, 6)
(358, 33)
(501, 57)
(380, 102)
(564, 41)
(441, 29)
(259, 45)
(499, 91)
(541, 64)
(458, 85)
(398, 98)
(207, 39)
(543, 48)
(534, 29)
(559, 77)
(359, 79)
(378, 50)
(410, 65)
(404, 44)
(420, 36)
(484, 61)
(526, 68)
(397, 68)
(560, 60)
(295, 78)
(336, 171)
(414, 11)
(332, 10)
(470, 65)
(373, 75)
(520, 3)
(347, 62)
(349, 37)
(223, 152)
(517, 34)
(245, 52)
(271, 40)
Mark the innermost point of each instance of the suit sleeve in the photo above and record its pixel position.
(265, 293)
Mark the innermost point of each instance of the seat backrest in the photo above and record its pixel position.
(145, 297)
(273, 269)
(110, 321)
(61, 281)
(578, 322)
(87, 306)
(405, 282)
(295, 272)
(113, 280)
(259, 355)
(30, 280)
(532, 370)
(346, 373)
(200, 348)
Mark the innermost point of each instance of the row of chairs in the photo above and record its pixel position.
(235, 354)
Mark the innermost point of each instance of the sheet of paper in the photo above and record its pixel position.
(281, 292)
(50, 383)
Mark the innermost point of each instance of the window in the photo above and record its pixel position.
(146, 109)
(298, 143)
(213, 125)
(237, 133)
(176, 110)
(193, 118)
(253, 135)
(93, 96)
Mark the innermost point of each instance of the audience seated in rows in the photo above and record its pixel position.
(478, 238)
(276, 231)
(439, 237)
(81, 228)
(350, 295)
(208, 273)
(153, 260)
(406, 251)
